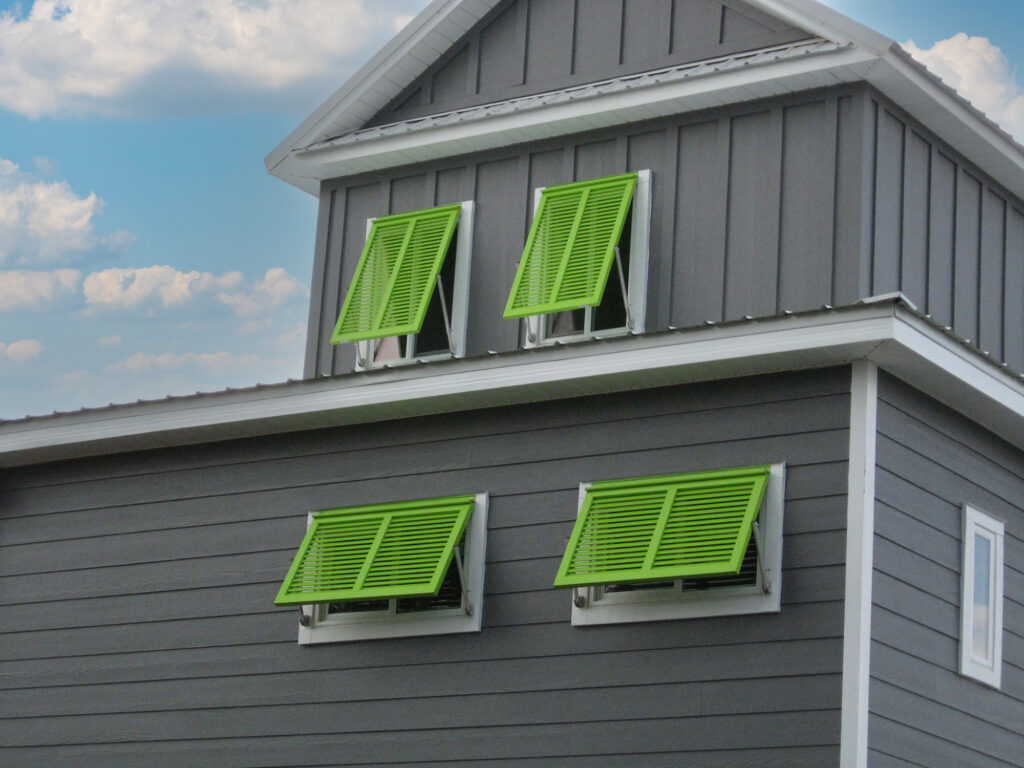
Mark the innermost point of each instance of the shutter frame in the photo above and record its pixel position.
(381, 551)
(583, 221)
(653, 529)
(396, 274)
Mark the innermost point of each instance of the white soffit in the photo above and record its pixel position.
(896, 339)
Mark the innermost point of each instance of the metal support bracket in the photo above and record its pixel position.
(622, 283)
(766, 583)
(444, 311)
(462, 580)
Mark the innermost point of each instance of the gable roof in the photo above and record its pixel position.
(330, 142)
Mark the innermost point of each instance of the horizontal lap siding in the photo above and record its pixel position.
(930, 462)
(138, 627)
(750, 215)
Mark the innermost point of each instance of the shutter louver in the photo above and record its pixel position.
(376, 552)
(652, 529)
(571, 246)
(396, 275)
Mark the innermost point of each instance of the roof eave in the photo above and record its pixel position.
(898, 340)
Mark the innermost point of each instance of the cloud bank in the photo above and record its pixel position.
(125, 57)
(21, 351)
(44, 223)
(981, 73)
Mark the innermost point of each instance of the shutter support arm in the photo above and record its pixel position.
(766, 583)
(462, 581)
(622, 283)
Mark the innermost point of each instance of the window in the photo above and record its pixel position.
(981, 606)
(583, 273)
(680, 546)
(390, 570)
(407, 300)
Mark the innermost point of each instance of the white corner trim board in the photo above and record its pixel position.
(860, 525)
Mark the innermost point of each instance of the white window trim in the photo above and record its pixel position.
(978, 523)
(460, 302)
(590, 606)
(639, 257)
(373, 625)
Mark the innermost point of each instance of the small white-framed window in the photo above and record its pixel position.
(583, 273)
(408, 301)
(981, 599)
(394, 548)
(755, 588)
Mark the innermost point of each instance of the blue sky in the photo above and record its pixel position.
(144, 250)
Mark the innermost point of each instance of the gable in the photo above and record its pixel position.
(525, 47)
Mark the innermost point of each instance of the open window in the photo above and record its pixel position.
(677, 546)
(390, 570)
(981, 604)
(407, 300)
(583, 273)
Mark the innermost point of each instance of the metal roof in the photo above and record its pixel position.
(888, 332)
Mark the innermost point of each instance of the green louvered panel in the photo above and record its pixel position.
(376, 552)
(571, 246)
(657, 528)
(396, 274)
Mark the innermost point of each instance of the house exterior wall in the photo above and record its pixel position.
(930, 461)
(530, 46)
(755, 211)
(136, 597)
(943, 233)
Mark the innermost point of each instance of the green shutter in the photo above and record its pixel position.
(659, 528)
(571, 246)
(396, 274)
(376, 552)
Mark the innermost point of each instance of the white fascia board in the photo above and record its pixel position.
(894, 339)
(422, 40)
(821, 20)
(446, 139)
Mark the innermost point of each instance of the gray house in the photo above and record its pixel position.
(662, 407)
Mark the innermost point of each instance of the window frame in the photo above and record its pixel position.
(977, 523)
(459, 310)
(592, 606)
(374, 625)
(534, 327)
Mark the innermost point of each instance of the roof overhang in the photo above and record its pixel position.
(330, 143)
(895, 338)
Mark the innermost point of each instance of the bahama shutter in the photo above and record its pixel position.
(571, 246)
(396, 274)
(652, 529)
(376, 552)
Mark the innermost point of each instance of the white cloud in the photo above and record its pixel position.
(21, 289)
(46, 222)
(181, 56)
(276, 287)
(146, 287)
(981, 73)
(110, 341)
(211, 362)
(22, 351)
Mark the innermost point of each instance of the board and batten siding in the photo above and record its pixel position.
(930, 462)
(137, 625)
(755, 211)
(944, 234)
(525, 47)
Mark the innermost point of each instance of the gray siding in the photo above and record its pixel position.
(930, 462)
(138, 627)
(947, 236)
(530, 46)
(751, 215)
